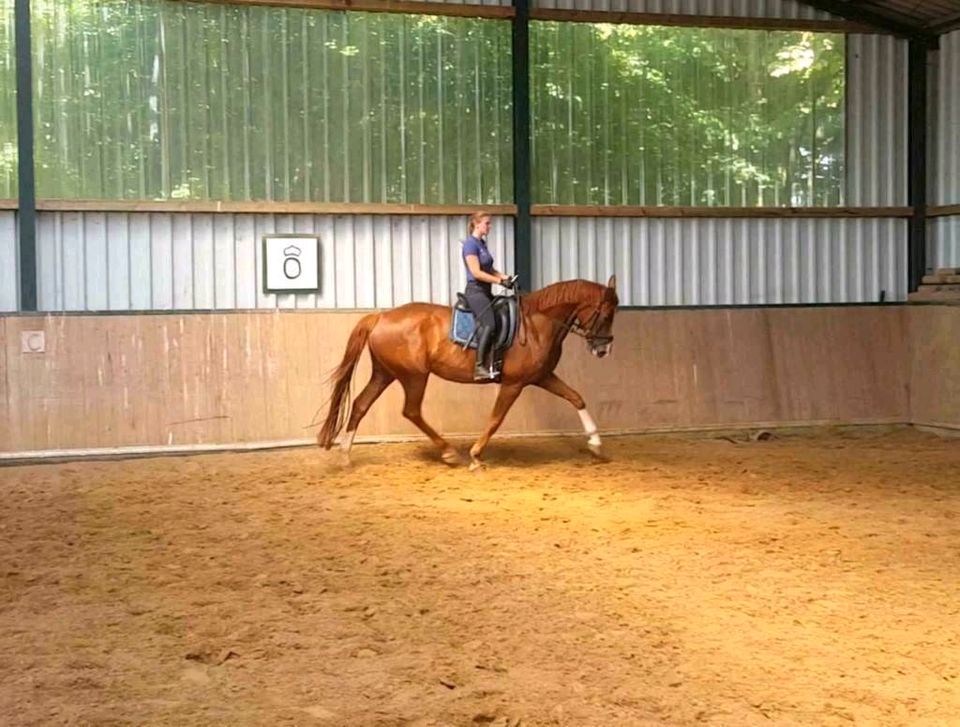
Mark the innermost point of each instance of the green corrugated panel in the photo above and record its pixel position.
(8, 103)
(650, 115)
(159, 100)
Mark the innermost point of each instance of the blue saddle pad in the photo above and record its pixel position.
(463, 324)
(462, 329)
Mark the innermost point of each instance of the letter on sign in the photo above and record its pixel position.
(291, 264)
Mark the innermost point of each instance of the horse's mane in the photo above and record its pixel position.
(563, 293)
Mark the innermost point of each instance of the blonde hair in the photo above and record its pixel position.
(475, 219)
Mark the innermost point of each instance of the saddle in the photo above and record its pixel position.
(506, 317)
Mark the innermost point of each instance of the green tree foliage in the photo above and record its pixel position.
(652, 115)
(151, 99)
(8, 103)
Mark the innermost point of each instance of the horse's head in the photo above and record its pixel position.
(595, 320)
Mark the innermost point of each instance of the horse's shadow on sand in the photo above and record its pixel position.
(519, 453)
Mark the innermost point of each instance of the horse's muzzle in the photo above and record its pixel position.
(601, 349)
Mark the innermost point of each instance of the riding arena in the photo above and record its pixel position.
(426, 363)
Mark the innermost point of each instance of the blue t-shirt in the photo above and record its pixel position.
(475, 246)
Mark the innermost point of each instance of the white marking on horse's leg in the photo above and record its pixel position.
(347, 442)
(589, 427)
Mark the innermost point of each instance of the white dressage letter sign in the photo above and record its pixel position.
(291, 263)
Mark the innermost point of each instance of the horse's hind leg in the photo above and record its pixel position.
(414, 390)
(379, 381)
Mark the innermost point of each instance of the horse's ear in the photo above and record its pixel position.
(612, 283)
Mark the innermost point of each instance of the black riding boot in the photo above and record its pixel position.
(481, 369)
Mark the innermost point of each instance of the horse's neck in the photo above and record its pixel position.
(559, 312)
(561, 300)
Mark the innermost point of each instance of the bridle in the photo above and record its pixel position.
(589, 329)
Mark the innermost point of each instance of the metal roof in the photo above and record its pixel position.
(905, 17)
(928, 14)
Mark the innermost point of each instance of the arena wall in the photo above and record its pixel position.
(244, 378)
(935, 365)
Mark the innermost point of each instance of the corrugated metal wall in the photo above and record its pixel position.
(945, 163)
(504, 3)
(876, 121)
(943, 246)
(686, 116)
(944, 232)
(246, 102)
(8, 262)
(735, 8)
(727, 262)
(8, 103)
(97, 261)
(142, 261)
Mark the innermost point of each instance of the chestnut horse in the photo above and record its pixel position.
(411, 342)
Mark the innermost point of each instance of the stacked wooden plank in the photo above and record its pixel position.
(942, 286)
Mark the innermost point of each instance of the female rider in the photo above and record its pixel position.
(480, 276)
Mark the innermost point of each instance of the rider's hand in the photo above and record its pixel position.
(508, 281)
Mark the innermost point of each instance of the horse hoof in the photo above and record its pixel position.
(597, 451)
(451, 457)
(476, 464)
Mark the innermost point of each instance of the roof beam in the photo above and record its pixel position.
(945, 25)
(860, 14)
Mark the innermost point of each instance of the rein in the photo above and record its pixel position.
(518, 293)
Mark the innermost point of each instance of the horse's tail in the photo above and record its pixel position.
(339, 410)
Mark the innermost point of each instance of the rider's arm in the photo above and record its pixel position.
(473, 263)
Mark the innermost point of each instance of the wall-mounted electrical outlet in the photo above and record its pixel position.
(33, 342)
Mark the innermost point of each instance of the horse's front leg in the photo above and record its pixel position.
(508, 394)
(555, 385)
